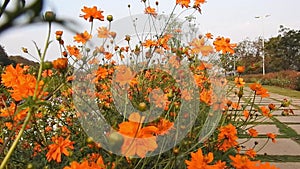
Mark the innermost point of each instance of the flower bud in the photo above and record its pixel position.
(240, 93)
(49, 16)
(127, 38)
(142, 106)
(229, 103)
(65, 53)
(109, 18)
(272, 106)
(25, 50)
(58, 35)
(113, 34)
(176, 151)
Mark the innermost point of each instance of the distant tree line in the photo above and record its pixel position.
(281, 53)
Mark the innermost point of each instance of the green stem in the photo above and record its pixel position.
(14, 145)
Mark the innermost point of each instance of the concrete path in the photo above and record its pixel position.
(285, 153)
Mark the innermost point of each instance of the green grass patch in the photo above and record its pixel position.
(286, 130)
(283, 91)
(278, 158)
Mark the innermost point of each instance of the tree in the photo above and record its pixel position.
(284, 50)
(247, 53)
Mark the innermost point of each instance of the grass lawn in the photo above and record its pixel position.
(283, 91)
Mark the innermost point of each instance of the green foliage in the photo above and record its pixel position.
(284, 79)
(298, 83)
(283, 50)
(247, 54)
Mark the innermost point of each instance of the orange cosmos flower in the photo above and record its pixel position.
(11, 112)
(74, 51)
(203, 66)
(26, 87)
(222, 44)
(164, 126)
(124, 75)
(259, 90)
(59, 146)
(253, 132)
(199, 161)
(101, 73)
(206, 96)
(183, 3)
(10, 75)
(241, 162)
(76, 165)
(219, 165)
(47, 73)
(227, 137)
(246, 113)
(82, 37)
(199, 46)
(158, 99)
(94, 61)
(103, 32)
(208, 35)
(240, 69)
(92, 13)
(108, 55)
(272, 136)
(99, 164)
(60, 63)
(199, 2)
(163, 41)
(239, 82)
(265, 111)
(138, 140)
(235, 106)
(251, 153)
(149, 43)
(150, 11)
(23, 85)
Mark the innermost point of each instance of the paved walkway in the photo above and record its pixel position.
(285, 153)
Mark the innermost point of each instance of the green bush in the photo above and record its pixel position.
(298, 83)
(285, 79)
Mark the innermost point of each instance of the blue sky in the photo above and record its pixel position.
(229, 18)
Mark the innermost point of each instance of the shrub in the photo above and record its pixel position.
(284, 79)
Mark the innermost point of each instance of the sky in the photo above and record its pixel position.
(229, 18)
